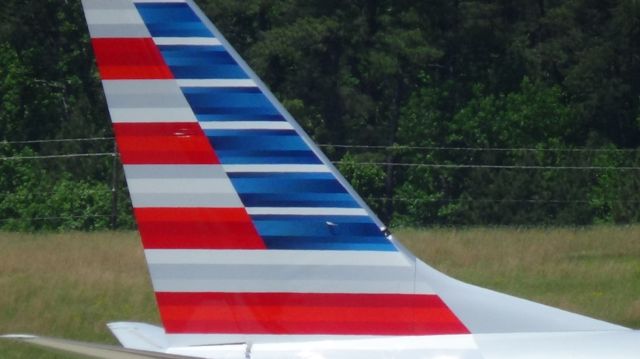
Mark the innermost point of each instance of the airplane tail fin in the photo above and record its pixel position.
(249, 231)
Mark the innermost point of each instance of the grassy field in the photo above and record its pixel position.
(70, 285)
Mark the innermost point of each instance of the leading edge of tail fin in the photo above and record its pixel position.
(249, 231)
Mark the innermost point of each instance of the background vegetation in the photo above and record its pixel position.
(426, 90)
(70, 285)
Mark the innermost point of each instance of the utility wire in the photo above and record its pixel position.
(395, 164)
(87, 139)
(480, 149)
(395, 147)
(484, 200)
(533, 167)
(70, 155)
(55, 218)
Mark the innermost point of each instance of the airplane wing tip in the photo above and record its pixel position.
(18, 336)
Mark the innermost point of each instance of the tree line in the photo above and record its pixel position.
(438, 112)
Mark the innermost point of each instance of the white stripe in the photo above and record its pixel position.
(217, 83)
(275, 257)
(163, 1)
(186, 41)
(245, 125)
(271, 346)
(152, 115)
(306, 211)
(276, 168)
(112, 16)
(181, 185)
(303, 284)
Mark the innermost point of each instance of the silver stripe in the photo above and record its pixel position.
(282, 278)
(107, 4)
(123, 115)
(174, 171)
(306, 211)
(180, 186)
(118, 31)
(113, 18)
(119, 16)
(216, 83)
(212, 41)
(274, 257)
(162, 1)
(147, 101)
(269, 346)
(276, 168)
(185, 200)
(245, 125)
(144, 94)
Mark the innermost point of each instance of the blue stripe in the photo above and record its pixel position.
(250, 98)
(291, 190)
(298, 200)
(209, 117)
(261, 147)
(172, 20)
(325, 243)
(267, 157)
(196, 55)
(316, 228)
(201, 62)
(248, 140)
(304, 220)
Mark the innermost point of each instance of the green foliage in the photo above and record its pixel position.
(32, 199)
(367, 179)
(408, 78)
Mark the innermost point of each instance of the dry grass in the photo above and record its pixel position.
(70, 285)
(594, 271)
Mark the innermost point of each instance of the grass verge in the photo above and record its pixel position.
(71, 284)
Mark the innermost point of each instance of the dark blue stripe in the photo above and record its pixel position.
(321, 232)
(316, 228)
(304, 220)
(227, 99)
(267, 140)
(267, 157)
(283, 175)
(207, 117)
(298, 200)
(201, 62)
(324, 243)
(172, 20)
(286, 185)
(196, 55)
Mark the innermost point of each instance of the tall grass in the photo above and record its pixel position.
(70, 285)
(593, 271)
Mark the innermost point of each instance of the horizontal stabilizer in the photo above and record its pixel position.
(139, 336)
(89, 349)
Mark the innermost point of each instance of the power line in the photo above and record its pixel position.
(526, 167)
(32, 194)
(54, 218)
(380, 147)
(481, 149)
(487, 200)
(70, 155)
(86, 139)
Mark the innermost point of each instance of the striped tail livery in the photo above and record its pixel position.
(256, 246)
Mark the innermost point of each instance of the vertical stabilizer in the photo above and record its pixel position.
(248, 230)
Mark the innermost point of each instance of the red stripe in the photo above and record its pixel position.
(129, 59)
(197, 228)
(163, 143)
(307, 313)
